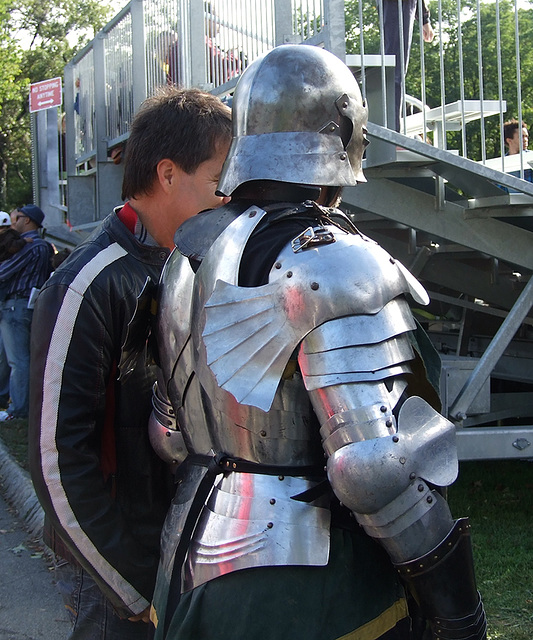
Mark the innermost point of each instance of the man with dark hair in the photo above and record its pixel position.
(26, 270)
(512, 138)
(305, 394)
(103, 489)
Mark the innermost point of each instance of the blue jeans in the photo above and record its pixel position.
(15, 326)
(91, 614)
(5, 372)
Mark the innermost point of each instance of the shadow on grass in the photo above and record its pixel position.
(14, 434)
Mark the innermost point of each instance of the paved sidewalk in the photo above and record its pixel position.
(30, 607)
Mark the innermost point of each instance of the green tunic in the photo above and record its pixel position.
(357, 596)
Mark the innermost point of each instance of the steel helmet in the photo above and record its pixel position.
(298, 117)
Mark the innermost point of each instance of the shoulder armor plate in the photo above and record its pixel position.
(250, 332)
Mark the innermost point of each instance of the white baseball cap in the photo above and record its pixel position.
(5, 220)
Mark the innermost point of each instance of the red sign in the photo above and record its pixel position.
(45, 94)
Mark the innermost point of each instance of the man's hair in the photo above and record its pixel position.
(510, 127)
(182, 125)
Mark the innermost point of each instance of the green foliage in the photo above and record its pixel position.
(36, 39)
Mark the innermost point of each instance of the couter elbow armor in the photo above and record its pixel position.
(384, 480)
(165, 437)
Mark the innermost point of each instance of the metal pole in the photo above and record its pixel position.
(495, 350)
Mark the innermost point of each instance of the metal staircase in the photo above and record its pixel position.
(466, 231)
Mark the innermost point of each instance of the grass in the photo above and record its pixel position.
(497, 496)
(14, 435)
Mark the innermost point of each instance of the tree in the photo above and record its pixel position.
(37, 39)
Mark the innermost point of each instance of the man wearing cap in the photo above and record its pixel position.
(26, 270)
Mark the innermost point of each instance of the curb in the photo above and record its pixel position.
(17, 489)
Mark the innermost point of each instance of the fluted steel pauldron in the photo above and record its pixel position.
(250, 333)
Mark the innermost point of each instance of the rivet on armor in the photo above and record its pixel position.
(270, 525)
(412, 475)
(345, 105)
(262, 433)
(332, 128)
(252, 214)
(272, 500)
(171, 411)
(163, 255)
(392, 260)
(281, 478)
(314, 286)
(278, 265)
(395, 439)
(383, 408)
(234, 465)
(168, 434)
(402, 460)
(420, 487)
(343, 156)
(389, 423)
(429, 499)
(289, 274)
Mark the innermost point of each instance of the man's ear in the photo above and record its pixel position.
(167, 174)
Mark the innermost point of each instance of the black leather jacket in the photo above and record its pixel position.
(104, 491)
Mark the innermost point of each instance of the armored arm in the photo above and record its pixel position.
(340, 299)
(385, 457)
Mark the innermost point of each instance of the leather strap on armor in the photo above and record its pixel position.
(443, 584)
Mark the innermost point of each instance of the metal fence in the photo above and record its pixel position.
(153, 43)
(458, 90)
(455, 92)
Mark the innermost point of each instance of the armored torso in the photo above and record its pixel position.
(228, 355)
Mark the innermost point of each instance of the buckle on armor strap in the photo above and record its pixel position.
(312, 237)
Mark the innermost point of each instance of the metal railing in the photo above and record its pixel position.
(458, 90)
(153, 43)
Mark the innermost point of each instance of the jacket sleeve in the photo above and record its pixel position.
(73, 356)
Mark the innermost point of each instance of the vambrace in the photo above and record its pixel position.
(444, 586)
(165, 437)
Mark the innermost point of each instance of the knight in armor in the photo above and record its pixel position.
(297, 397)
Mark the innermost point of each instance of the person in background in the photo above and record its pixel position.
(10, 242)
(25, 271)
(221, 65)
(104, 491)
(516, 138)
(397, 39)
